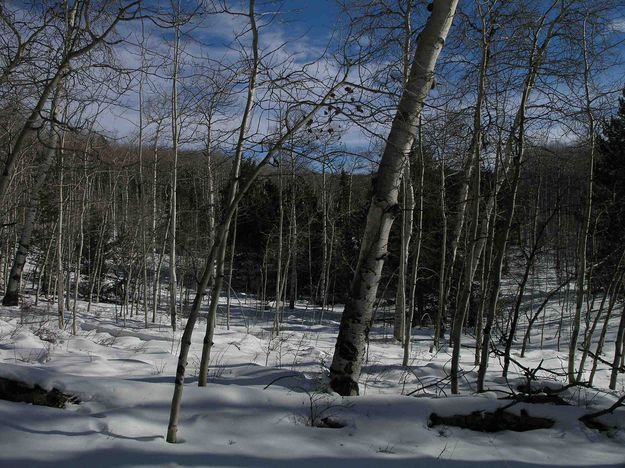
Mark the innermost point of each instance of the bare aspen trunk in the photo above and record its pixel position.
(43, 270)
(583, 236)
(81, 243)
(407, 209)
(592, 328)
(156, 287)
(173, 286)
(442, 306)
(417, 250)
(141, 191)
(407, 213)
(604, 329)
(472, 172)
(355, 322)
(68, 269)
(94, 267)
(156, 263)
(326, 280)
(487, 235)
(618, 351)
(233, 246)
(211, 192)
(59, 243)
(293, 242)
(321, 296)
(276, 317)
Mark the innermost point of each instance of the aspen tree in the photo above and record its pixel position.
(513, 158)
(407, 194)
(173, 287)
(355, 321)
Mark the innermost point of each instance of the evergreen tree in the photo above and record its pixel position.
(610, 178)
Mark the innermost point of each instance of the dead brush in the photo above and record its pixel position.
(47, 335)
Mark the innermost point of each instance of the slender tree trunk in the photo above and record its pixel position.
(591, 330)
(514, 152)
(233, 246)
(407, 194)
(583, 236)
(442, 306)
(407, 211)
(618, 351)
(173, 286)
(81, 243)
(59, 244)
(541, 307)
(472, 171)
(156, 263)
(217, 252)
(276, 317)
(417, 249)
(604, 329)
(324, 237)
(293, 231)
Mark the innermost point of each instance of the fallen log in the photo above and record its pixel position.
(496, 421)
(13, 390)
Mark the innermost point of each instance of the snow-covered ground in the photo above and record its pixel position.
(263, 393)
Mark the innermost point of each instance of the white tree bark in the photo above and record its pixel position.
(173, 282)
(585, 229)
(355, 322)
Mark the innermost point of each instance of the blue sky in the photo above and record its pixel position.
(304, 27)
(317, 17)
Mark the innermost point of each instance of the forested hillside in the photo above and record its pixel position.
(330, 216)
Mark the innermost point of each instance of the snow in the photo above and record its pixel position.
(263, 392)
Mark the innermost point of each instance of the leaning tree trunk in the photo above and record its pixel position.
(521, 293)
(593, 327)
(11, 295)
(355, 322)
(218, 251)
(618, 351)
(604, 329)
(221, 237)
